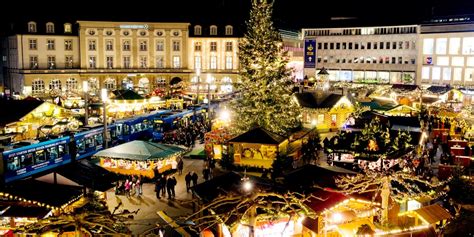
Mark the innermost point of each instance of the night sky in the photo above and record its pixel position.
(292, 14)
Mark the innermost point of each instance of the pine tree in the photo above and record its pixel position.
(266, 96)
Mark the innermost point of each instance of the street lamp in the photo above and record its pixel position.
(104, 101)
(198, 75)
(85, 89)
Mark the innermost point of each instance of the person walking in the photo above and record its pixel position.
(158, 187)
(127, 188)
(138, 186)
(188, 178)
(174, 182)
(163, 185)
(194, 178)
(180, 166)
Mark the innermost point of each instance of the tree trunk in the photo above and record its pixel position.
(385, 199)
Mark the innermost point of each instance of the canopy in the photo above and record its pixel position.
(433, 214)
(141, 151)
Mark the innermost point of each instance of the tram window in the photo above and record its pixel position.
(62, 150)
(126, 129)
(53, 152)
(13, 163)
(118, 129)
(89, 142)
(112, 134)
(40, 156)
(99, 139)
(132, 129)
(81, 145)
(158, 127)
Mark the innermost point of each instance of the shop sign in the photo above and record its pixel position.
(144, 26)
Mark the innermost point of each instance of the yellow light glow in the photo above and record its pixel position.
(248, 185)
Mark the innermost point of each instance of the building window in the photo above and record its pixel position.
(425, 73)
(213, 64)
(457, 61)
(160, 45)
(213, 47)
(441, 45)
(176, 62)
(110, 62)
(447, 74)
(457, 74)
(320, 45)
(92, 45)
(468, 45)
(436, 73)
(92, 62)
(213, 30)
(228, 63)
(442, 61)
(387, 45)
(51, 62)
(143, 62)
(454, 45)
(69, 61)
(32, 27)
(50, 44)
(110, 84)
(126, 45)
(37, 87)
(126, 62)
(33, 62)
(400, 45)
(49, 27)
(176, 45)
(197, 30)
(143, 45)
(470, 61)
(394, 45)
(468, 74)
(197, 62)
(428, 45)
(407, 44)
(55, 84)
(197, 46)
(228, 46)
(71, 84)
(109, 45)
(68, 45)
(33, 44)
(229, 30)
(67, 28)
(160, 62)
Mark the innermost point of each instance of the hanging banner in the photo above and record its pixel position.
(309, 53)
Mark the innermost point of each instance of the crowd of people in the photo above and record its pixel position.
(187, 135)
(131, 186)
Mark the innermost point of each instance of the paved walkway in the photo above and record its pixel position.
(149, 204)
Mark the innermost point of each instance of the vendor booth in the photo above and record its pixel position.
(140, 158)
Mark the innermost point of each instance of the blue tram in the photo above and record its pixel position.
(18, 163)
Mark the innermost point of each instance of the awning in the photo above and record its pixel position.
(24, 211)
(89, 175)
(433, 214)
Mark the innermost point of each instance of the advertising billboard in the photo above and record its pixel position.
(309, 53)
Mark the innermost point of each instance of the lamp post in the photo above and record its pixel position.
(209, 79)
(85, 89)
(104, 101)
(198, 74)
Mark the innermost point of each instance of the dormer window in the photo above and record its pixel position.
(32, 27)
(229, 30)
(49, 27)
(213, 30)
(197, 30)
(67, 28)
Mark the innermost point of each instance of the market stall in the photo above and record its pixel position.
(215, 142)
(140, 158)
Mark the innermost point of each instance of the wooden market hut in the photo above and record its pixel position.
(324, 111)
(258, 147)
(140, 158)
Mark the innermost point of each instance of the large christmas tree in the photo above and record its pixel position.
(265, 92)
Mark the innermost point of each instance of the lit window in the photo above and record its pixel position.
(110, 83)
(126, 45)
(457, 61)
(55, 84)
(50, 44)
(51, 62)
(143, 45)
(213, 64)
(442, 61)
(468, 45)
(441, 45)
(92, 62)
(454, 45)
(428, 46)
(67, 28)
(32, 27)
(213, 30)
(33, 62)
(160, 62)
(425, 73)
(49, 27)
(468, 74)
(160, 45)
(109, 45)
(229, 30)
(457, 74)
(176, 45)
(197, 30)
(447, 73)
(176, 62)
(37, 87)
(228, 63)
(71, 84)
(67, 44)
(143, 62)
(197, 62)
(92, 45)
(436, 73)
(197, 46)
(126, 62)
(110, 62)
(68, 61)
(470, 62)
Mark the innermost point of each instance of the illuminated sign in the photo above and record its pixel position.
(309, 53)
(428, 60)
(144, 26)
